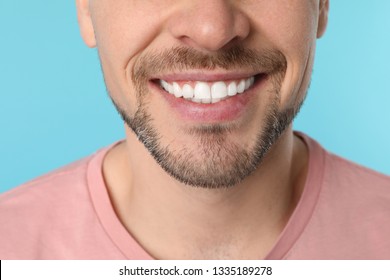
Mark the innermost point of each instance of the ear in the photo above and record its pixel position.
(323, 17)
(85, 23)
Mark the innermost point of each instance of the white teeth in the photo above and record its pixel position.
(241, 87)
(206, 93)
(247, 83)
(232, 89)
(170, 88)
(196, 100)
(164, 84)
(218, 90)
(202, 91)
(177, 90)
(188, 91)
(251, 81)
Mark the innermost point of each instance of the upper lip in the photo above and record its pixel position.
(205, 76)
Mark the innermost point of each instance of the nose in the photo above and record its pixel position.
(209, 25)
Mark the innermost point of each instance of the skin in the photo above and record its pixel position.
(244, 220)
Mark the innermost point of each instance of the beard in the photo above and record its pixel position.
(210, 160)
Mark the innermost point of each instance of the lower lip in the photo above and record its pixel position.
(223, 111)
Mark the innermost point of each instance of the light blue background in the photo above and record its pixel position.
(54, 108)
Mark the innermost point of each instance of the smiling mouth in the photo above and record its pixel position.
(207, 92)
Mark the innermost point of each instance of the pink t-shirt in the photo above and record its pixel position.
(344, 213)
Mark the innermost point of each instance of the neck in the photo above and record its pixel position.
(174, 221)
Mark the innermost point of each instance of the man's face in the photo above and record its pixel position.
(207, 86)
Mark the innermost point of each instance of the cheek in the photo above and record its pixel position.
(122, 31)
(124, 28)
(294, 34)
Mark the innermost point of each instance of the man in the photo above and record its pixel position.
(210, 168)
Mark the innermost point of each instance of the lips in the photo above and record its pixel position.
(209, 99)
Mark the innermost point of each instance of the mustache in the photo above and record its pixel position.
(179, 59)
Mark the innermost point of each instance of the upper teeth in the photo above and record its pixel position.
(207, 92)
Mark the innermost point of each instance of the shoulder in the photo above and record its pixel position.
(350, 219)
(356, 178)
(35, 203)
(346, 183)
(37, 216)
(340, 171)
(52, 185)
